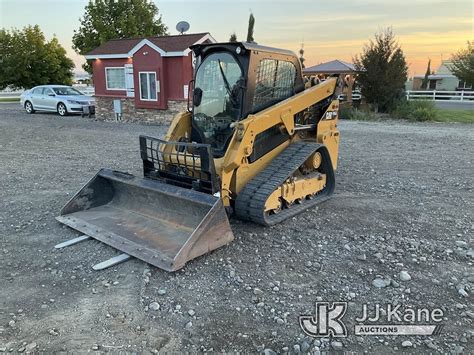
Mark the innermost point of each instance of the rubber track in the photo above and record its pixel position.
(250, 203)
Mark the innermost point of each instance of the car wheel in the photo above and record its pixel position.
(29, 107)
(62, 110)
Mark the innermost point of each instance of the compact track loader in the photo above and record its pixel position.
(256, 141)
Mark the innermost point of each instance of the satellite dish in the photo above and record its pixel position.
(182, 27)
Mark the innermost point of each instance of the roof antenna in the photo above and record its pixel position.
(182, 27)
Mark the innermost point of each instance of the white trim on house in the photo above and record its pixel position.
(204, 38)
(175, 54)
(149, 84)
(144, 41)
(129, 80)
(106, 56)
(107, 82)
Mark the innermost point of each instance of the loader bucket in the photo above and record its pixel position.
(162, 224)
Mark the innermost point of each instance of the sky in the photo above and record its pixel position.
(329, 29)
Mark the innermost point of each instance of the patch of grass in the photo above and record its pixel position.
(419, 110)
(450, 115)
(9, 99)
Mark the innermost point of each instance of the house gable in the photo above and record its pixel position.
(127, 48)
(146, 42)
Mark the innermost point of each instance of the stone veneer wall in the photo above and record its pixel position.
(104, 111)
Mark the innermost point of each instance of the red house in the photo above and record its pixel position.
(144, 79)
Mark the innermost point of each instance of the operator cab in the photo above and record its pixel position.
(234, 80)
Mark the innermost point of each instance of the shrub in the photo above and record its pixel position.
(419, 110)
(350, 113)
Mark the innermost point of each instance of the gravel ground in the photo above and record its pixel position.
(398, 230)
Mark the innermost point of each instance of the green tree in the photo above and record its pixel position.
(233, 37)
(382, 71)
(111, 19)
(250, 28)
(27, 59)
(424, 83)
(463, 64)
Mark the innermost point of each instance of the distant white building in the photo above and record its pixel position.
(443, 80)
(82, 77)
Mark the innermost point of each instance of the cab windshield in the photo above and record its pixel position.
(217, 98)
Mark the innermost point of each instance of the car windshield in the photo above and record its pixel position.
(218, 80)
(66, 91)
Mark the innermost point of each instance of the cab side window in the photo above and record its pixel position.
(275, 81)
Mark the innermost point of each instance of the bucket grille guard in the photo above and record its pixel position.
(183, 164)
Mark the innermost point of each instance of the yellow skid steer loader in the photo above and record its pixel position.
(256, 141)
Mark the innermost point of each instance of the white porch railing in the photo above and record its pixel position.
(440, 95)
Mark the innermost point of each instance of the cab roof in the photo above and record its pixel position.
(251, 46)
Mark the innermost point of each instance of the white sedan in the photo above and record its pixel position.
(57, 98)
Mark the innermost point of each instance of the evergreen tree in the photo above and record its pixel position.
(250, 28)
(302, 57)
(382, 71)
(424, 84)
